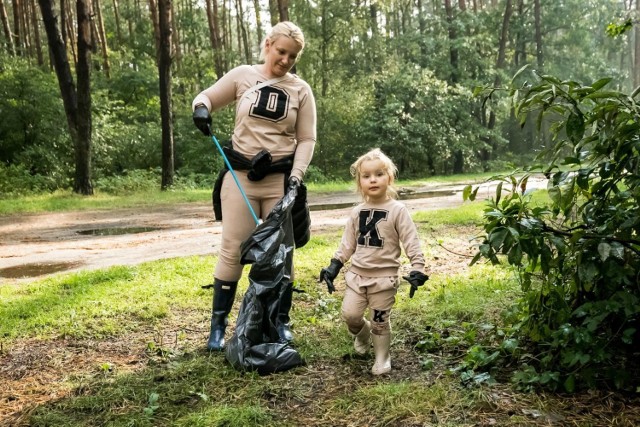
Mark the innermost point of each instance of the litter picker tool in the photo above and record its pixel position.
(235, 178)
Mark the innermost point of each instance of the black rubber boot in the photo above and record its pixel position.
(223, 295)
(284, 329)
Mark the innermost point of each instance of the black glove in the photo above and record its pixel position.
(328, 274)
(416, 279)
(202, 119)
(294, 182)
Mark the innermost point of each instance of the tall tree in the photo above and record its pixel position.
(17, 31)
(102, 37)
(283, 10)
(243, 34)
(82, 182)
(77, 103)
(453, 50)
(8, 35)
(538, 27)
(256, 7)
(500, 63)
(636, 45)
(214, 37)
(273, 12)
(164, 71)
(116, 15)
(36, 31)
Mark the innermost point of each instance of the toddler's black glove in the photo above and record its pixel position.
(328, 274)
(416, 279)
(202, 119)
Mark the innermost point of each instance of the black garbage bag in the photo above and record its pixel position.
(255, 344)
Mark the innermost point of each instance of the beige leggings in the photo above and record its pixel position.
(237, 221)
(376, 293)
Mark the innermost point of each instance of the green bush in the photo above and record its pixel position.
(579, 254)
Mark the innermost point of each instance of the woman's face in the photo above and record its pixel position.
(281, 55)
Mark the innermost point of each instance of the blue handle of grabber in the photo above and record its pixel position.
(244, 196)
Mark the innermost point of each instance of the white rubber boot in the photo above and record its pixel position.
(381, 344)
(362, 341)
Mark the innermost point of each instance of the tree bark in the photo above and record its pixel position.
(153, 10)
(175, 39)
(116, 15)
(636, 46)
(500, 63)
(538, 25)
(69, 31)
(256, 7)
(7, 29)
(242, 30)
(103, 40)
(273, 12)
(164, 71)
(283, 10)
(82, 184)
(36, 31)
(214, 36)
(16, 28)
(79, 123)
(453, 51)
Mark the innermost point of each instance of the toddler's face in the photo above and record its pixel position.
(374, 180)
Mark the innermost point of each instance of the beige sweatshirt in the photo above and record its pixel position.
(373, 238)
(280, 117)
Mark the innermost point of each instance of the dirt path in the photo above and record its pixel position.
(37, 245)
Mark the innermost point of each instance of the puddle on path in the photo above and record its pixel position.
(36, 269)
(117, 231)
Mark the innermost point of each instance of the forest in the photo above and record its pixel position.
(97, 90)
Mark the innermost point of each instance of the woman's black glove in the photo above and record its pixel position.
(416, 279)
(328, 274)
(294, 182)
(202, 119)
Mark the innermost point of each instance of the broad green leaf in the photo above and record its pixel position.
(604, 249)
(466, 191)
(617, 250)
(570, 383)
(575, 127)
(601, 83)
(498, 192)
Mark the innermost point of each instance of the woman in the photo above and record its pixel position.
(272, 145)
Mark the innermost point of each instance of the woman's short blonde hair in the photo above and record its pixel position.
(284, 28)
(389, 167)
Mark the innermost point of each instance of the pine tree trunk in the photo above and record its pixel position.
(36, 32)
(8, 35)
(164, 71)
(283, 10)
(79, 123)
(103, 40)
(82, 184)
(116, 14)
(256, 7)
(244, 36)
(16, 28)
(538, 25)
(636, 45)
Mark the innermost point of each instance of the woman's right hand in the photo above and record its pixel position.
(202, 119)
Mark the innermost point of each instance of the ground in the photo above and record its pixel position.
(34, 372)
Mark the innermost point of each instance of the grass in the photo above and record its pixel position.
(124, 347)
